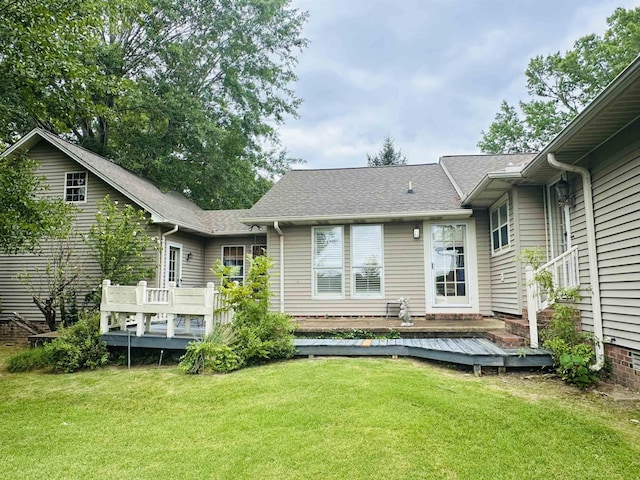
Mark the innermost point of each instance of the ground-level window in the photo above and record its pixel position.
(75, 187)
(500, 226)
(233, 256)
(367, 265)
(328, 266)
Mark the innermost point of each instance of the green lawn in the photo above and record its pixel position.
(310, 419)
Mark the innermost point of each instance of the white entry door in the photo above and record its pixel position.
(174, 263)
(449, 265)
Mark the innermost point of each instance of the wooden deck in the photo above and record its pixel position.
(476, 352)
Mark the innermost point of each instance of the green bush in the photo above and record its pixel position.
(212, 354)
(78, 346)
(261, 334)
(27, 360)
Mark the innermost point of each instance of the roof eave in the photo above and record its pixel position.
(487, 180)
(365, 217)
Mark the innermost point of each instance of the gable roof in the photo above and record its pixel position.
(466, 171)
(358, 194)
(165, 208)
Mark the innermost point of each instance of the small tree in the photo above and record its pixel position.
(54, 287)
(26, 215)
(120, 244)
(387, 155)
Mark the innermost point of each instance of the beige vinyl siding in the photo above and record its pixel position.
(532, 228)
(54, 165)
(193, 270)
(483, 246)
(504, 275)
(616, 196)
(213, 251)
(403, 273)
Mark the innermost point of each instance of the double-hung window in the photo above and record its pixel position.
(234, 257)
(500, 227)
(367, 265)
(75, 187)
(328, 264)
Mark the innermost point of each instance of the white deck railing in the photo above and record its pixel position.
(120, 303)
(565, 273)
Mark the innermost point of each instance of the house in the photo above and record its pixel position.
(448, 236)
(190, 238)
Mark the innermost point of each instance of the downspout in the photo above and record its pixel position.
(276, 227)
(163, 256)
(592, 253)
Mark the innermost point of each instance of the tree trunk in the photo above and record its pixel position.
(25, 324)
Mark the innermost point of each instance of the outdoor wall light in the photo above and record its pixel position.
(416, 233)
(563, 190)
(189, 255)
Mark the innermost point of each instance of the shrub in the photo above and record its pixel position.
(78, 346)
(27, 360)
(213, 353)
(261, 334)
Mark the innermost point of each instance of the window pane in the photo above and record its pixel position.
(367, 259)
(494, 220)
(503, 214)
(504, 236)
(234, 257)
(327, 261)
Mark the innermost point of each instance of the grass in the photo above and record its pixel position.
(310, 419)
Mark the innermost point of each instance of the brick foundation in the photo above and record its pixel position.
(622, 369)
(453, 316)
(10, 333)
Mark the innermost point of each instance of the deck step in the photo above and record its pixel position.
(505, 339)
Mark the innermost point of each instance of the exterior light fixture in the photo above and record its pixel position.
(416, 233)
(189, 255)
(563, 190)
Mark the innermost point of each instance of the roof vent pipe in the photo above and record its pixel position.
(592, 252)
(410, 190)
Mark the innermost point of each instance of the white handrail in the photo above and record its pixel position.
(565, 273)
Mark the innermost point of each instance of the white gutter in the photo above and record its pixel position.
(592, 253)
(163, 256)
(276, 227)
(337, 219)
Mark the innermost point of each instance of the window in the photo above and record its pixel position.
(234, 257)
(328, 268)
(258, 250)
(367, 270)
(75, 187)
(500, 227)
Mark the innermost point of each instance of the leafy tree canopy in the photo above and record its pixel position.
(27, 216)
(185, 92)
(560, 86)
(388, 155)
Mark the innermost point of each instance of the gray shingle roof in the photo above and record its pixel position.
(357, 191)
(467, 170)
(168, 207)
(226, 222)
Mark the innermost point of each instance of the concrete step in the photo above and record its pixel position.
(517, 326)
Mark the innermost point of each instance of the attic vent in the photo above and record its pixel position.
(410, 190)
(635, 361)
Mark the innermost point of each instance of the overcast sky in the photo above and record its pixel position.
(430, 73)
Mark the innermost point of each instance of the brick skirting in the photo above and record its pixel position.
(10, 333)
(622, 369)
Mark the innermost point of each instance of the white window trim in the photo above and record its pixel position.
(353, 279)
(167, 248)
(86, 186)
(472, 273)
(244, 254)
(314, 296)
(496, 206)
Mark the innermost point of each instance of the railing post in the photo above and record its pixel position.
(532, 306)
(104, 313)
(209, 295)
(141, 292)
